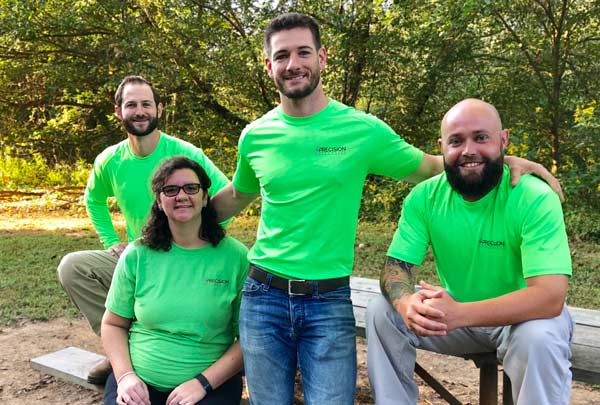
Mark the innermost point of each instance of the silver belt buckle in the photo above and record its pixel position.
(290, 282)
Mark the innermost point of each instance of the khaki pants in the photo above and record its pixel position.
(86, 277)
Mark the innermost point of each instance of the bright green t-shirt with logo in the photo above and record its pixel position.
(184, 304)
(310, 172)
(487, 248)
(119, 173)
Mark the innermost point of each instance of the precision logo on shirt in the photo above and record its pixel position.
(330, 150)
(491, 243)
(215, 281)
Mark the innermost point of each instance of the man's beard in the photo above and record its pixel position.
(315, 77)
(474, 189)
(129, 125)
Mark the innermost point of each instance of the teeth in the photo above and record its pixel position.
(471, 164)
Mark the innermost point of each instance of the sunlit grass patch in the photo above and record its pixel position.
(32, 245)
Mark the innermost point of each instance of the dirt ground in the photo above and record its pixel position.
(20, 384)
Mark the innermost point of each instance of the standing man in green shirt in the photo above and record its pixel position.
(123, 171)
(503, 258)
(308, 159)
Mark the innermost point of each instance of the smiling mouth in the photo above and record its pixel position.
(296, 77)
(470, 165)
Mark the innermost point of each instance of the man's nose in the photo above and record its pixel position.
(293, 62)
(469, 147)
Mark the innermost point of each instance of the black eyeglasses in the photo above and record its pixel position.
(173, 190)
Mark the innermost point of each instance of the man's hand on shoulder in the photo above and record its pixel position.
(117, 250)
(519, 166)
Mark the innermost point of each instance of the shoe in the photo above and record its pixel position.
(99, 373)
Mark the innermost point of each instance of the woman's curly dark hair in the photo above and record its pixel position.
(157, 234)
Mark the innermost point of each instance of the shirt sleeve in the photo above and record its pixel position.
(394, 156)
(244, 178)
(97, 191)
(544, 244)
(411, 239)
(121, 295)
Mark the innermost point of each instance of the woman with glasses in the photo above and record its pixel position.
(171, 323)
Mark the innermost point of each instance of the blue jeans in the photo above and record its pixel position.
(316, 333)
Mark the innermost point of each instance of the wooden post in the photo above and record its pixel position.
(488, 383)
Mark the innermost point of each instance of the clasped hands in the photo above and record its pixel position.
(431, 311)
(133, 391)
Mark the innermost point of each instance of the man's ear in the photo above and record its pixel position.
(322, 58)
(118, 113)
(159, 109)
(504, 136)
(269, 67)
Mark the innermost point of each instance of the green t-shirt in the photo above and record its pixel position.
(487, 248)
(119, 173)
(184, 304)
(310, 172)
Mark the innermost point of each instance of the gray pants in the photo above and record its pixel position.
(535, 354)
(86, 278)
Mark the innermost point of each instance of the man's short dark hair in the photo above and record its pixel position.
(134, 80)
(290, 21)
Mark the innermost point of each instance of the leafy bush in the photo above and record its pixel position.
(382, 199)
(17, 173)
(582, 224)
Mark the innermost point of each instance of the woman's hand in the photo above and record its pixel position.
(187, 393)
(132, 391)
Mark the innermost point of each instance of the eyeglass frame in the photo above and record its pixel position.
(179, 188)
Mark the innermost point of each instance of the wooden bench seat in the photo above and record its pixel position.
(71, 364)
(585, 348)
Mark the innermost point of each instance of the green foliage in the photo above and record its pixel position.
(583, 224)
(382, 199)
(20, 173)
(404, 61)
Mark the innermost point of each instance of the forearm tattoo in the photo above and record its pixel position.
(397, 279)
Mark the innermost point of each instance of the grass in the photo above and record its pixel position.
(33, 242)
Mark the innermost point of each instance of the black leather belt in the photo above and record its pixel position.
(298, 287)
